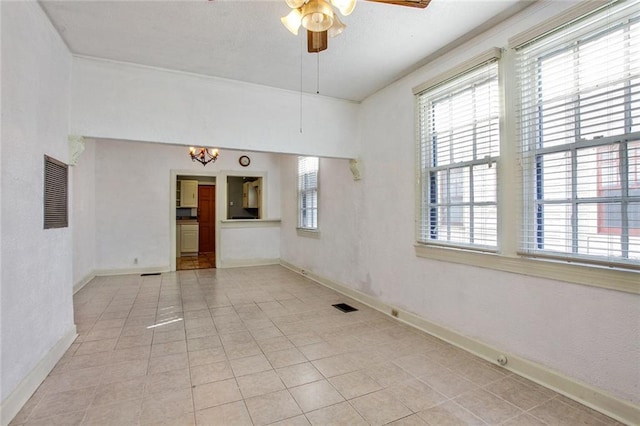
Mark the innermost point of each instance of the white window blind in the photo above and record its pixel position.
(308, 192)
(580, 127)
(458, 149)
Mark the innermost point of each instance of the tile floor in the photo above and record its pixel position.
(201, 261)
(264, 346)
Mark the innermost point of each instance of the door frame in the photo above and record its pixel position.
(173, 185)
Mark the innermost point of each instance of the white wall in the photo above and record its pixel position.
(133, 197)
(121, 101)
(586, 333)
(83, 214)
(37, 310)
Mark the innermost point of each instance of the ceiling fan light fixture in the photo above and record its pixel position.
(337, 28)
(292, 21)
(317, 15)
(294, 4)
(344, 6)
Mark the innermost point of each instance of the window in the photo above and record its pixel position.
(55, 194)
(580, 128)
(458, 148)
(308, 193)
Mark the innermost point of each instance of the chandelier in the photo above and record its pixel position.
(204, 155)
(318, 18)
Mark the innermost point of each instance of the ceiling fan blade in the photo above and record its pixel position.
(421, 4)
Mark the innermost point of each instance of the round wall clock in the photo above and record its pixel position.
(244, 161)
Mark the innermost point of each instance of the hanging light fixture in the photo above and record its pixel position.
(204, 155)
(316, 16)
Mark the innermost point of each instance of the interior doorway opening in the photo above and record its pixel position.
(195, 222)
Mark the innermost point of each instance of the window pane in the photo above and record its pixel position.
(555, 170)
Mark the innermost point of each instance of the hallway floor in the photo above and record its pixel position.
(201, 261)
(264, 346)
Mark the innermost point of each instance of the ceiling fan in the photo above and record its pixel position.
(320, 21)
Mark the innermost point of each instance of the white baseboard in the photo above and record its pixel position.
(84, 281)
(14, 402)
(131, 271)
(240, 263)
(583, 393)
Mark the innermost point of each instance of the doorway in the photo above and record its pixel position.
(195, 222)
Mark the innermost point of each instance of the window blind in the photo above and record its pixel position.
(458, 148)
(308, 192)
(579, 122)
(55, 194)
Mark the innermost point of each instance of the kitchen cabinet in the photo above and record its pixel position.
(251, 193)
(189, 238)
(188, 193)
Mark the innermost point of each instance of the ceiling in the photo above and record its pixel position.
(244, 40)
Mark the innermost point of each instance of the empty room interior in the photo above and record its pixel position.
(320, 212)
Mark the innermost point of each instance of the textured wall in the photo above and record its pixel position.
(83, 214)
(133, 217)
(120, 101)
(36, 281)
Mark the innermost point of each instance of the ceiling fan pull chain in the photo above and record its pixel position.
(318, 73)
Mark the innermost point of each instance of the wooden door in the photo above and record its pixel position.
(207, 218)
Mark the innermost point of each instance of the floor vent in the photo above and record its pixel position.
(344, 307)
(150, 273)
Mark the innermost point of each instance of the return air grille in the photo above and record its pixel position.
(56, 194)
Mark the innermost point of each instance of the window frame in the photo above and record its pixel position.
(473, 74)
(302, 191)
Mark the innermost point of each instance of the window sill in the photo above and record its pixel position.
(308, 233)
(596, 276)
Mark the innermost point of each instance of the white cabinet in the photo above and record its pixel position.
(188, 193)
(189, 238)
(251, 195)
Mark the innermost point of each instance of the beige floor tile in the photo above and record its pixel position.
(125, 370)
(412, 420)
(119, 414)
(131, 354)
(167, 382)
(299, 374)
(313, 396)
(242, 350)
(166, 407)
(207, 356)
(336, 365)
(487, 406)
(205, 342)
(274, 344)
(168, 363)
(524, 420)
(169, 348)
(67, 419)
(555, 412)
(355, 384)
(388, 374)
(250, 365)
(213, 372)
(168, 336)
(232, 414)
(216, 393)
(63, 402)
(480, 373)
(272, 407)
(448, 383)
(119, 391)
(380, 407)
(73, 379)
(416, 395)
(450, 414)
(96, 346)
(285, 357)
(416, 364)
(342, 414)
(102, 334)
(260, 383)
(517, 393)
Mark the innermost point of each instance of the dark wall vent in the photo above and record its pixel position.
(56, 193)
(344, 307)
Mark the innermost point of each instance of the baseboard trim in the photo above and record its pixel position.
(14, 402)
(84, 281)
(241, 263)
(131, 271)
(583, 393)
